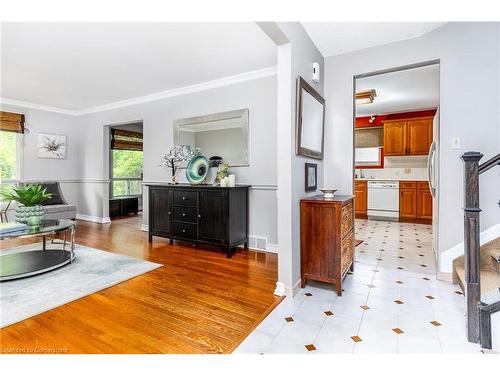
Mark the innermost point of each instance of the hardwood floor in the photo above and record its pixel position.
(198, 302)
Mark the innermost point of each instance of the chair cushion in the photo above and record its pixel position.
(56, 197)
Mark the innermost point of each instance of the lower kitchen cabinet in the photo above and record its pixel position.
(415, 202)
(360, 199)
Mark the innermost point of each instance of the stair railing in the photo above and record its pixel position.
(472, 170)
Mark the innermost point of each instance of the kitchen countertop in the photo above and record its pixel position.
(391, 179)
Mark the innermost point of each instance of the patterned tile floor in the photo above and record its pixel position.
(392, 303)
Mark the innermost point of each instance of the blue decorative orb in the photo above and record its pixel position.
(197, 170)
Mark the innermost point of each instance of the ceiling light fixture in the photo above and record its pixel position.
(365, 97)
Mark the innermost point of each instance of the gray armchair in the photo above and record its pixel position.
(55, 207)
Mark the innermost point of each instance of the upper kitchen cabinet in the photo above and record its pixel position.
(408, 136)
(395, 138)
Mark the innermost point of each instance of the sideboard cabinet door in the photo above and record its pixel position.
(160, 211)
(213, 215)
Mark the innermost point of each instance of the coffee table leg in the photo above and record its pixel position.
(72, 243)
(44, 245)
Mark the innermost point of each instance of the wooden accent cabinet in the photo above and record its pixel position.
(326, 239)
(408, 137)
(360, 199)
(202, 214)
(415, 202)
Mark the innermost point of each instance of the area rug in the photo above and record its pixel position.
(91, 271)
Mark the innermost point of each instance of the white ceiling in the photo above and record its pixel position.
(335, 38)
(401, 91)
(80, 65)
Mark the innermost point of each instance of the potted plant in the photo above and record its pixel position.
(29, 198)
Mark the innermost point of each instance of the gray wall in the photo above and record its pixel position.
(258, 95)
(63, 170)
(470, 71)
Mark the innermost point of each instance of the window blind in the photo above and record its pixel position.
(126, 140)
(11, 122)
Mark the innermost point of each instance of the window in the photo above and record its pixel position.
(126, 163)
(126, 172)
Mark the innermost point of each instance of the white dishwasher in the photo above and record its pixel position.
(383, 199)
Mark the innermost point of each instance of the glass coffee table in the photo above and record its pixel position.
(15, 265)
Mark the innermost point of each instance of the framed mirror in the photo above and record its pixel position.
(310, 119)
(219, 136)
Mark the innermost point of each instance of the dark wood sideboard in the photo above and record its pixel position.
(327, 239)
(203, 214)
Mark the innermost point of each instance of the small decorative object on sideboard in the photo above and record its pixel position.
(311, 177)
(29, 199)
(222, 171)
(197, 170)
(176, 155)
(328, 193)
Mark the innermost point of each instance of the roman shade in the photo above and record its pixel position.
(11, 122)
(126, 140)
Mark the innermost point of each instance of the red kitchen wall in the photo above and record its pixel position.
(362, 122)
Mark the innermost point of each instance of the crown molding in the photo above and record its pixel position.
(20, 103)
(226, 81)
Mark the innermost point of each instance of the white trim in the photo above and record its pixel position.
(94, 219)
(209, 85)
(290, 292)
(41, 107)
(446, 257)
(272, 248)
(226, 81)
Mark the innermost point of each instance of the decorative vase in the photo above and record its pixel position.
(32, 216)
(197, 170)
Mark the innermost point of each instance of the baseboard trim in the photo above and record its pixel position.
(144, 227)
(283, 290)
(446, 257)
(94, 219)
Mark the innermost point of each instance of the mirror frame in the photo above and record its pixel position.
(299, 150)
(240, 113)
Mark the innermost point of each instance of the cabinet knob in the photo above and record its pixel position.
(183, 231)
(170, 213)
(183, 214)
(199, 215)
(183, 198)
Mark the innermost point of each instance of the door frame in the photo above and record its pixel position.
(435, 136)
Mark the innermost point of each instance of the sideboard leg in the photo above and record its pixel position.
(338, 288)
(228, 252)
(150, 237)
(171, 241)
(245, 246)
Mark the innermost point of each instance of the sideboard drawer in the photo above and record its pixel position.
(185, 230)
(347, 219)
(185, 198)
(186, 214)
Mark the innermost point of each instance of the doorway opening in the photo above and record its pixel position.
(396, 140)
(125, 169)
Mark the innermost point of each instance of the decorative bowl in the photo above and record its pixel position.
(328, 192)
(197, 170)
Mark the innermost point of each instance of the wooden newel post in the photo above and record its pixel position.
(471, 242)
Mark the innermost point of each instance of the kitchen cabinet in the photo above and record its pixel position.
(415, 202)
(360, 199)
(408, 136)
(424, 201)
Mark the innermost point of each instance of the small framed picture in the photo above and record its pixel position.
(51, 146)
(311, 177)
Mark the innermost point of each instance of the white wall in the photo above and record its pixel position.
(259, 96)
(469, 108)
(35, 169)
